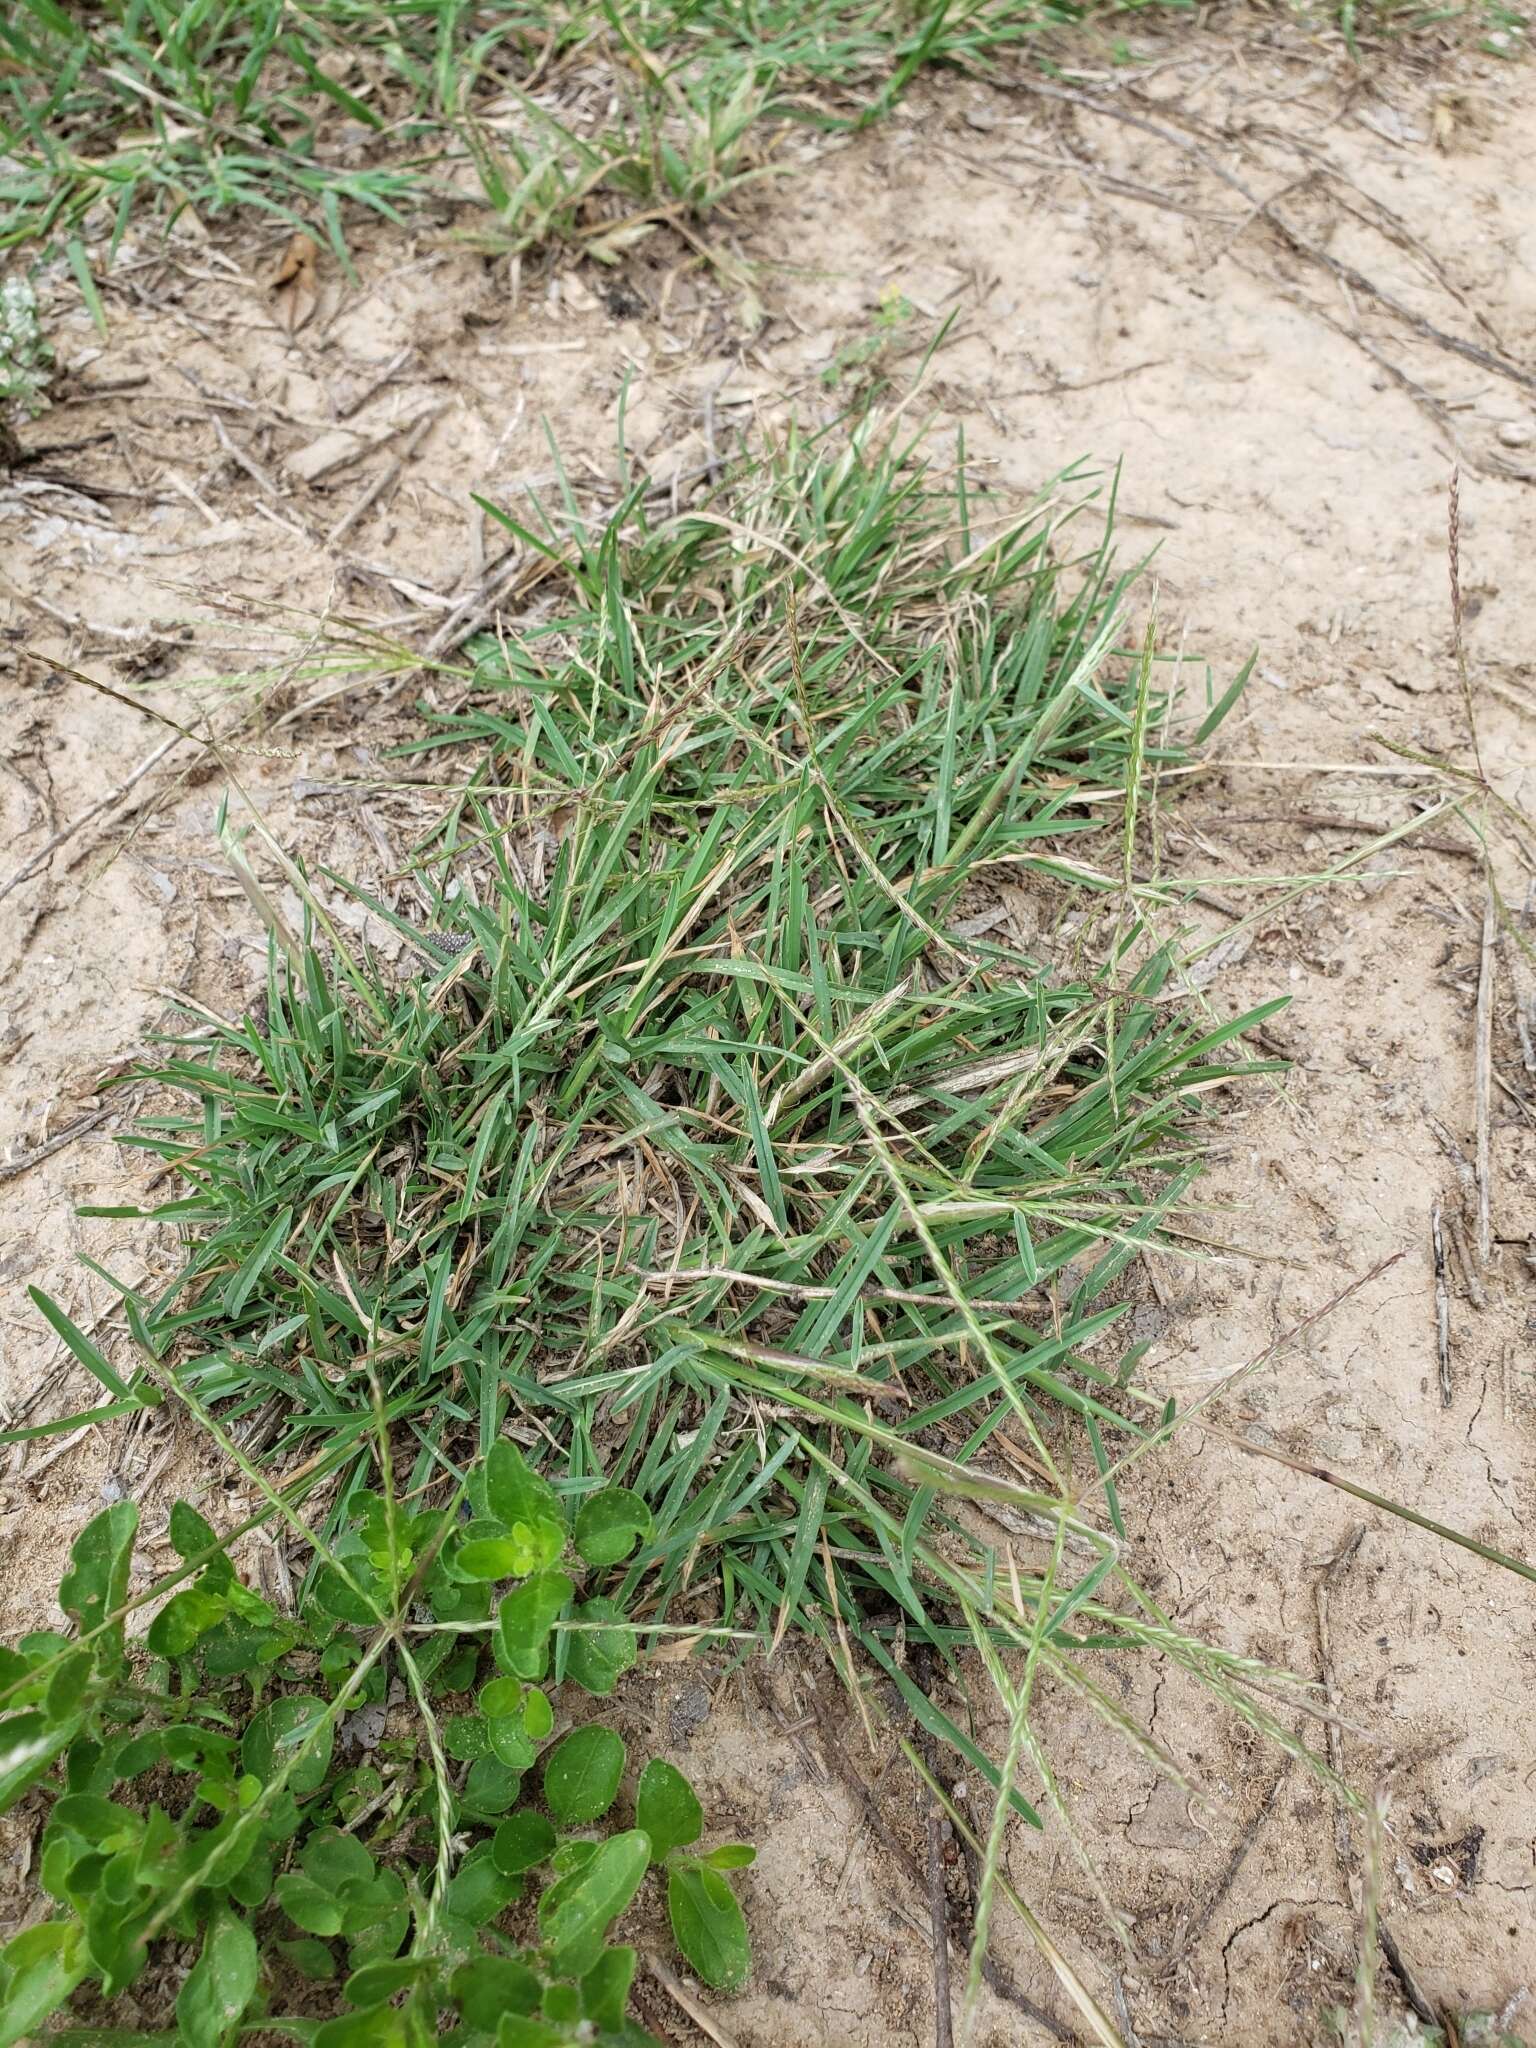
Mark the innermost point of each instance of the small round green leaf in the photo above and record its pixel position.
(467, 1736)
(514, 1493)
(500, 1697)
(42, 1965)
(597, 1657)
(519, 2031)
(610, 1524)
(371, 2026)
(511, 1743)
(668, 1809)
(581, 1775)
(537, 1543)
(572, 1855)
(343, 1601)
(312, 1959)
(522, 1843)
(525, 1618)
(221, 1982)
(28, 1744)
(488, 1557)
(490, 1986)
(376, 1982)
(605, 1988)
(575, 1914)
(184, 1617)
(708, 1925)
(292, 1730)
(192, 1536)
(96, 1583)
(67, 1687)
(730, 1856)
(335, 1859)
(489, 1789)
(562, 2004)
(309, 1905)
(379, 1939)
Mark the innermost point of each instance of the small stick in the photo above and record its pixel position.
(712, 462)
(29, 1473)
(10, 1169)
(1123, 2011)
(1482, 1070)
(1442, 1304)
(1469, 1273)
(1405, 1977)
(702, 2018)
(769, 1698)
(387, 477)
(1453, 556)
(1346, 273)
(1326, 821)
(1454, 1153)
(993, 1972)
(1154, 1279)
(1337, 1566)
(470, 612)
(345, 412)
(1442, 1530)
(74, 625)
(1193, 1929)
(179, 483)
(1523, 1027)
(45, 853)
(248, 463)
(938, 1907)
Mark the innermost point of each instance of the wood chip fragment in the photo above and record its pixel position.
(338, 446)
(296, 288)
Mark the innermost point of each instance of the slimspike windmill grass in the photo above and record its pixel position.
(715, 1151)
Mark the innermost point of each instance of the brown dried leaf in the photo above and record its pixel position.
(295, 288)
(676, 1651)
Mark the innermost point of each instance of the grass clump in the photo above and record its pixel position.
(1499, 28)
(697, 1047)
(144, 105)
(722, 1147)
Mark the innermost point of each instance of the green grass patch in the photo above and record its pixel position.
(1498, 29)
(699, 1080)
(311, 116)
(316, 115)
(718, 1145)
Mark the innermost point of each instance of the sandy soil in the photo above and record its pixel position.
(1288, 412)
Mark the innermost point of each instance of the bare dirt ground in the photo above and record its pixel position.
(1288, 412)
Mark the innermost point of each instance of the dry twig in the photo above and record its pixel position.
(938, 1908)
(387, 477)
(1442, 1303)
(1337, 1566)
(1481, 1078)
(684, 2000)
(12, 1169)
